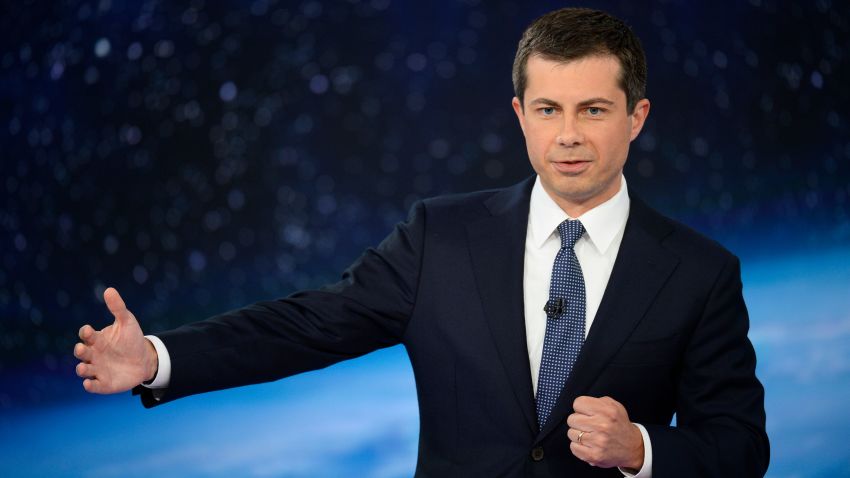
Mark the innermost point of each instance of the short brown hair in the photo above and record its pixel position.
(572, 33)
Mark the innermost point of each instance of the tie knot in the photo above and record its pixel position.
(570, 231)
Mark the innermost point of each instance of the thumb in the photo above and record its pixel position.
(116, 305)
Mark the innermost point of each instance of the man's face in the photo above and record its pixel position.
(577, 128)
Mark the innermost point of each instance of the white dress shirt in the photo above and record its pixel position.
(596, 251)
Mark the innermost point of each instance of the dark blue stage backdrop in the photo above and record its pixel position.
(205, 155)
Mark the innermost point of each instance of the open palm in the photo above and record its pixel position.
(118, 357)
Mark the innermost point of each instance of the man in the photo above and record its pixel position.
(554, 327)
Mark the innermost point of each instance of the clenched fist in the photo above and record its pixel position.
(602, 434)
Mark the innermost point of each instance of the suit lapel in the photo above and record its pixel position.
(497, 248)
(640, 271)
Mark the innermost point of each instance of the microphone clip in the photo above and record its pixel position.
(555, 307)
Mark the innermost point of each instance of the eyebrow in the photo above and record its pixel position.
(582, 104)
(598, 100)
(544, 101)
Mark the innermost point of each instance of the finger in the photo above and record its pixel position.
(574, 433)
(581, 422)
(115, 304)
(611, 409)
(85, 370)
(584, 404)
(579, 436)
(591, 405)
(91, 385)
(82, 352)
(95, 385)
(582, 452)
(87, 334)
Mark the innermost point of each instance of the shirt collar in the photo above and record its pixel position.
(601, 224)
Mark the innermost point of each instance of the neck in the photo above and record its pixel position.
(575, 208)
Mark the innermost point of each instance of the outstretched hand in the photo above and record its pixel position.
(118, 357)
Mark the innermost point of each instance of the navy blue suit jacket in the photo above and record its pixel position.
(670, 336)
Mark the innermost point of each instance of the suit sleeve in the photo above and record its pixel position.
(366, 310)
(720, 419)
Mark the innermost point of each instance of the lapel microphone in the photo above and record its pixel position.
(554, 307)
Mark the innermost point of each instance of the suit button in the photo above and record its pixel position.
(537, 453)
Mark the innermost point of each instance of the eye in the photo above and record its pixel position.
(547, 111)
(595, 111)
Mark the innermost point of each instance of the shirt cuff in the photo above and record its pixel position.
(646, 469)
(163, 374)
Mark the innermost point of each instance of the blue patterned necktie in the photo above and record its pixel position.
(565, 311)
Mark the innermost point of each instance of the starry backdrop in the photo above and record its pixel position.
(201, 155)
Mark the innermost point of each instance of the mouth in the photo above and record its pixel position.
(571, 166)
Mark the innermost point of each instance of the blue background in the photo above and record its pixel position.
(203, 156)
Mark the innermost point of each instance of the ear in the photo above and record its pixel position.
(638, 117)
(520, 113)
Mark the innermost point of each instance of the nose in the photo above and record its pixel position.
(570, 134)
